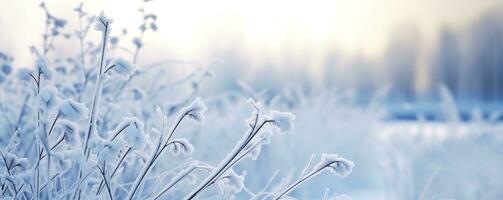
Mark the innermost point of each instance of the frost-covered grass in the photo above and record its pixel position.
(97, 127)
(441, 159)
(101, 126)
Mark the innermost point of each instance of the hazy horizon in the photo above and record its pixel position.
(320, 42)
(265, 30)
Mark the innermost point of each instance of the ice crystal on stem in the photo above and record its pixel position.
(338, 165)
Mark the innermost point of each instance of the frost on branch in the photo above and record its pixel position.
(338, 165)
(10, 160)
(195, 110)
(231, 182)
(283, 121)
(48, 98)
(121, 66)
(132, 132)
(49, 152)
(254, 148)
(72, 110)
(102, 22)
(43, 68)
(105, 150)
(71, 132)
(181, 145)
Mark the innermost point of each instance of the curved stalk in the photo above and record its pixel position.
(158, 151)
(299, 181)
(224, 165)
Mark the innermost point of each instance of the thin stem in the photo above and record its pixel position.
(176, 180)
(54, 123)
(34, 79)
(16, 191)
(5, 163)
(42, 155)
(52, 179)
(158, 151)
(76, 187)
(262, 191)
(109, 68)
(92, 119)
(49, 190)
(96, 99)
(115, 170)
(143, 173)
(107, 184)
(176, 125)
(37, 195)
(37, 81)
(299, 181)
(242, 156)
(119, 132)
(223, 166)
(166, 144)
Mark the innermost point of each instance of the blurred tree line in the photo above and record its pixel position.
(467, 60)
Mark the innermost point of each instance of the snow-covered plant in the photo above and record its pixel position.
(102, 24)
(332, 162)
(193, 111)
(72, 110)
(95, 126)
(251, 140)
(121, 66)
(131, 132)
(148, 23)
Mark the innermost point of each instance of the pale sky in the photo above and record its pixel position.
(262, 27)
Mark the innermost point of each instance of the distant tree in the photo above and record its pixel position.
(401, 59)
(446, 62)
(363, 77)
(484, 76)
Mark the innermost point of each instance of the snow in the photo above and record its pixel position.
(136, 135)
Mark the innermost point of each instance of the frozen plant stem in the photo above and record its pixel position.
(81, 35)
(37, 180)
(97, 92)
(49, 190)
(104, 175)
(178, 178)
(100, 187)
(295, 184)
(158, 151)
(302, 179)
(230, 160)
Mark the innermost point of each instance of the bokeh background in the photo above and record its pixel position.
(412, 91)
(411, 46)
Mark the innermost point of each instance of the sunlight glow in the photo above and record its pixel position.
(264, 30)
(355, 26)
